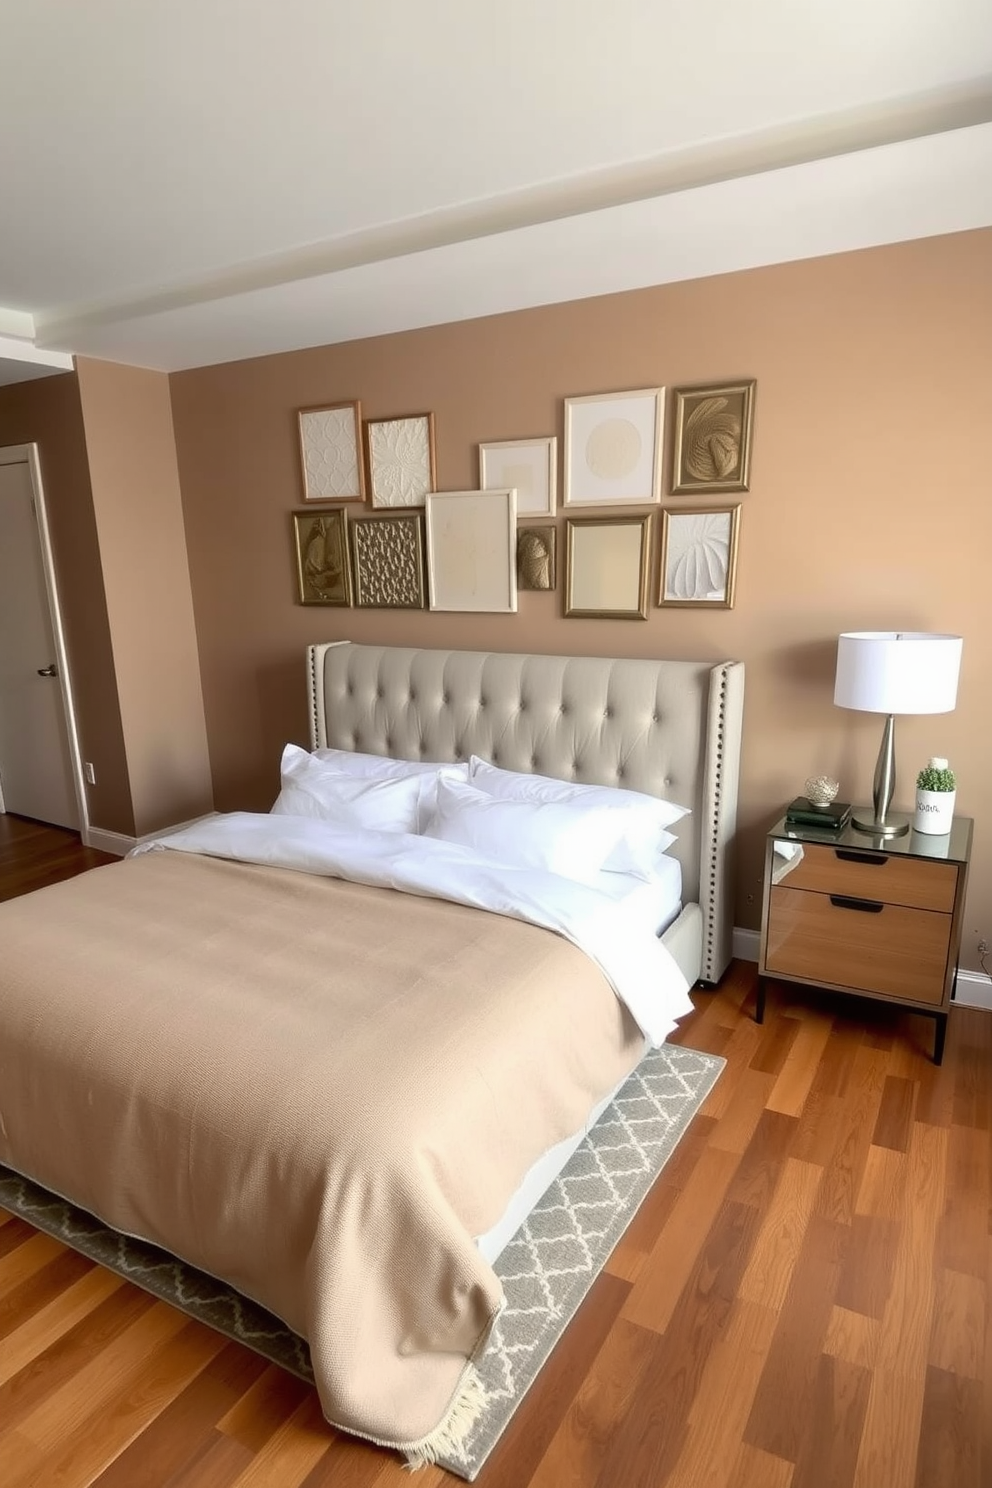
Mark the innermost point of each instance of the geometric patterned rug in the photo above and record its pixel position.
(546, 1269)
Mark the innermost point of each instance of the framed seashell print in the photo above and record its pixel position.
(711, 450)
(699, 557)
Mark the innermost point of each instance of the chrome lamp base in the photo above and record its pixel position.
(884, 785)
(891, 827)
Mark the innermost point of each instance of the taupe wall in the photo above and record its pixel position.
(869, 506)
(47, 412)
(135, 487)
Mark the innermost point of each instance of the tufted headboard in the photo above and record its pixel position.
(669, 728)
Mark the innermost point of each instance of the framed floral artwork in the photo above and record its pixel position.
(699, 557)
(331, 452)
(401, 459)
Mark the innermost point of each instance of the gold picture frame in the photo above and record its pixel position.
(401, 461)
(323, 570)
(606, 567)
(331, 452)
(387, 560)
(711, 450)
(537, 557)
(699, 557)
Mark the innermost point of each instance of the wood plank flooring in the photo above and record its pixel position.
(802, 1301)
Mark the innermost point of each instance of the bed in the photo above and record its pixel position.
(314, 1062)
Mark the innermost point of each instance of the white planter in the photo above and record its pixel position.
(934, 812)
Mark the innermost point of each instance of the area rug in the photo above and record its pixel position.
(546, 1269)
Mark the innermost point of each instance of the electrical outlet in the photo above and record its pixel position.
(983, 947)
(90, 773)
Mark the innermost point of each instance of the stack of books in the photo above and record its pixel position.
(832, 818)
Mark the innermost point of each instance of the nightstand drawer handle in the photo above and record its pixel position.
(857, 857)
(866, 906)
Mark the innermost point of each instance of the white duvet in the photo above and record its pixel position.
(641, 971)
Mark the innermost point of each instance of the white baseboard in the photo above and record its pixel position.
(116, 842)
(971, 988)
(109, 842)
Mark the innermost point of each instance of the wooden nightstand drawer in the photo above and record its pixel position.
(891, 950)
(916, 882)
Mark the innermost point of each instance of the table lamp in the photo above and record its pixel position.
(894, 671)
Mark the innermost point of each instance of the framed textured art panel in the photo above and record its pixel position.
(472, 550)
(528, 466)
(606, 567)
(613, 448)
(388, 561)
(322, 568)
(699, 557)
(401, 459)
(711, 451)
(331, 452)
(536, 554)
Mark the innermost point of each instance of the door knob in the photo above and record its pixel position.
(48, 671)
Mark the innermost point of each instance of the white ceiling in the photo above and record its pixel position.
(204, 180)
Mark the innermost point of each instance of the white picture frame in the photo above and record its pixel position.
(331, 452)
(472, 551)
(613, 444)
(528, 466)
(401, 460)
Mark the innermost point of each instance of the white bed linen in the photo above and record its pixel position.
(639, 968)
(655, 904)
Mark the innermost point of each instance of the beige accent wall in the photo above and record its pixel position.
(135, 484)
(869, 507)
(46, 411)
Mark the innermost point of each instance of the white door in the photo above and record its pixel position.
(36, 777)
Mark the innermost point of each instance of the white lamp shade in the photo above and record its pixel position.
(897, 671)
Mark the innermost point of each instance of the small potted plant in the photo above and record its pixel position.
(935, 792)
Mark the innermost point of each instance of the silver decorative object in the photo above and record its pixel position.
(820, 790)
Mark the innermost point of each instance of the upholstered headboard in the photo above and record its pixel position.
(670, 728)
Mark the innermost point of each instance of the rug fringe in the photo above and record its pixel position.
(449, 1435)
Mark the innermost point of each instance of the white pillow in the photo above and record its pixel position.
(311, 787)
(298, 766)
(572, 841)
(643, 838)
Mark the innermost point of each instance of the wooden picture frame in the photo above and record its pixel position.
(472, 550)
(613, 444)
(606, 567)
(699, 557)
(528, 466)
(323, 571)
(331, 452)
(401, 461)
(387, 557)
(711, 449)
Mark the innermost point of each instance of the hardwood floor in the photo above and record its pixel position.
(802, 1301)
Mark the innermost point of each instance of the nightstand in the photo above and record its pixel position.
(875, 917)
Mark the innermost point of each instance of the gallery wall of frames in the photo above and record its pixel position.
(373, 529)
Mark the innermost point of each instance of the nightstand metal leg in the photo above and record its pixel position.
(759, 1008)
(940, 1034)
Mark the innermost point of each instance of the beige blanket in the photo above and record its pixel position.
(317, 1091)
